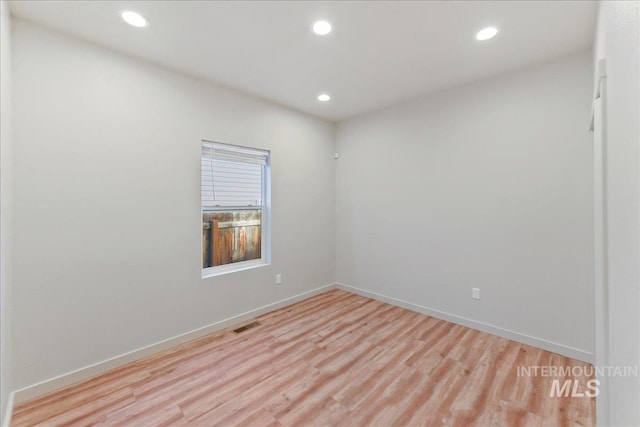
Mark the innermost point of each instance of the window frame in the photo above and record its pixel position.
(265, 213)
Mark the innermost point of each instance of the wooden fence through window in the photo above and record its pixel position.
(230, 236)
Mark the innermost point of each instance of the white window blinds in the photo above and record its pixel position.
(232, 176)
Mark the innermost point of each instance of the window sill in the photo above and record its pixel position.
(233, 268)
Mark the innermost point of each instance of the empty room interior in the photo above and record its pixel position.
(320, 213)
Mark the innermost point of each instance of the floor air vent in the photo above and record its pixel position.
(246, 327)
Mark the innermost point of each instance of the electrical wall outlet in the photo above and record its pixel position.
(278, 279)
(475, 293)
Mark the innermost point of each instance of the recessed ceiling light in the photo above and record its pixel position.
(322, 28)
(323, 97)
(487, 33)
(133, 18)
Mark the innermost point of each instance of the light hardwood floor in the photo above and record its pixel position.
(336, 359)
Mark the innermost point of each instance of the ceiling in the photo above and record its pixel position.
(379, 52)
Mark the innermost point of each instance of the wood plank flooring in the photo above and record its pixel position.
(337, 359)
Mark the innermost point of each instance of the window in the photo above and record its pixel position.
(235, 208)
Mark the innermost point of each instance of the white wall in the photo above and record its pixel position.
(5, 204)
(107, 203)
(488, 185)
(618, 41)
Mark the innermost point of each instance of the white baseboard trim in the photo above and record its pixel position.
(8, 412)
(35, 390)
(554, 347)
